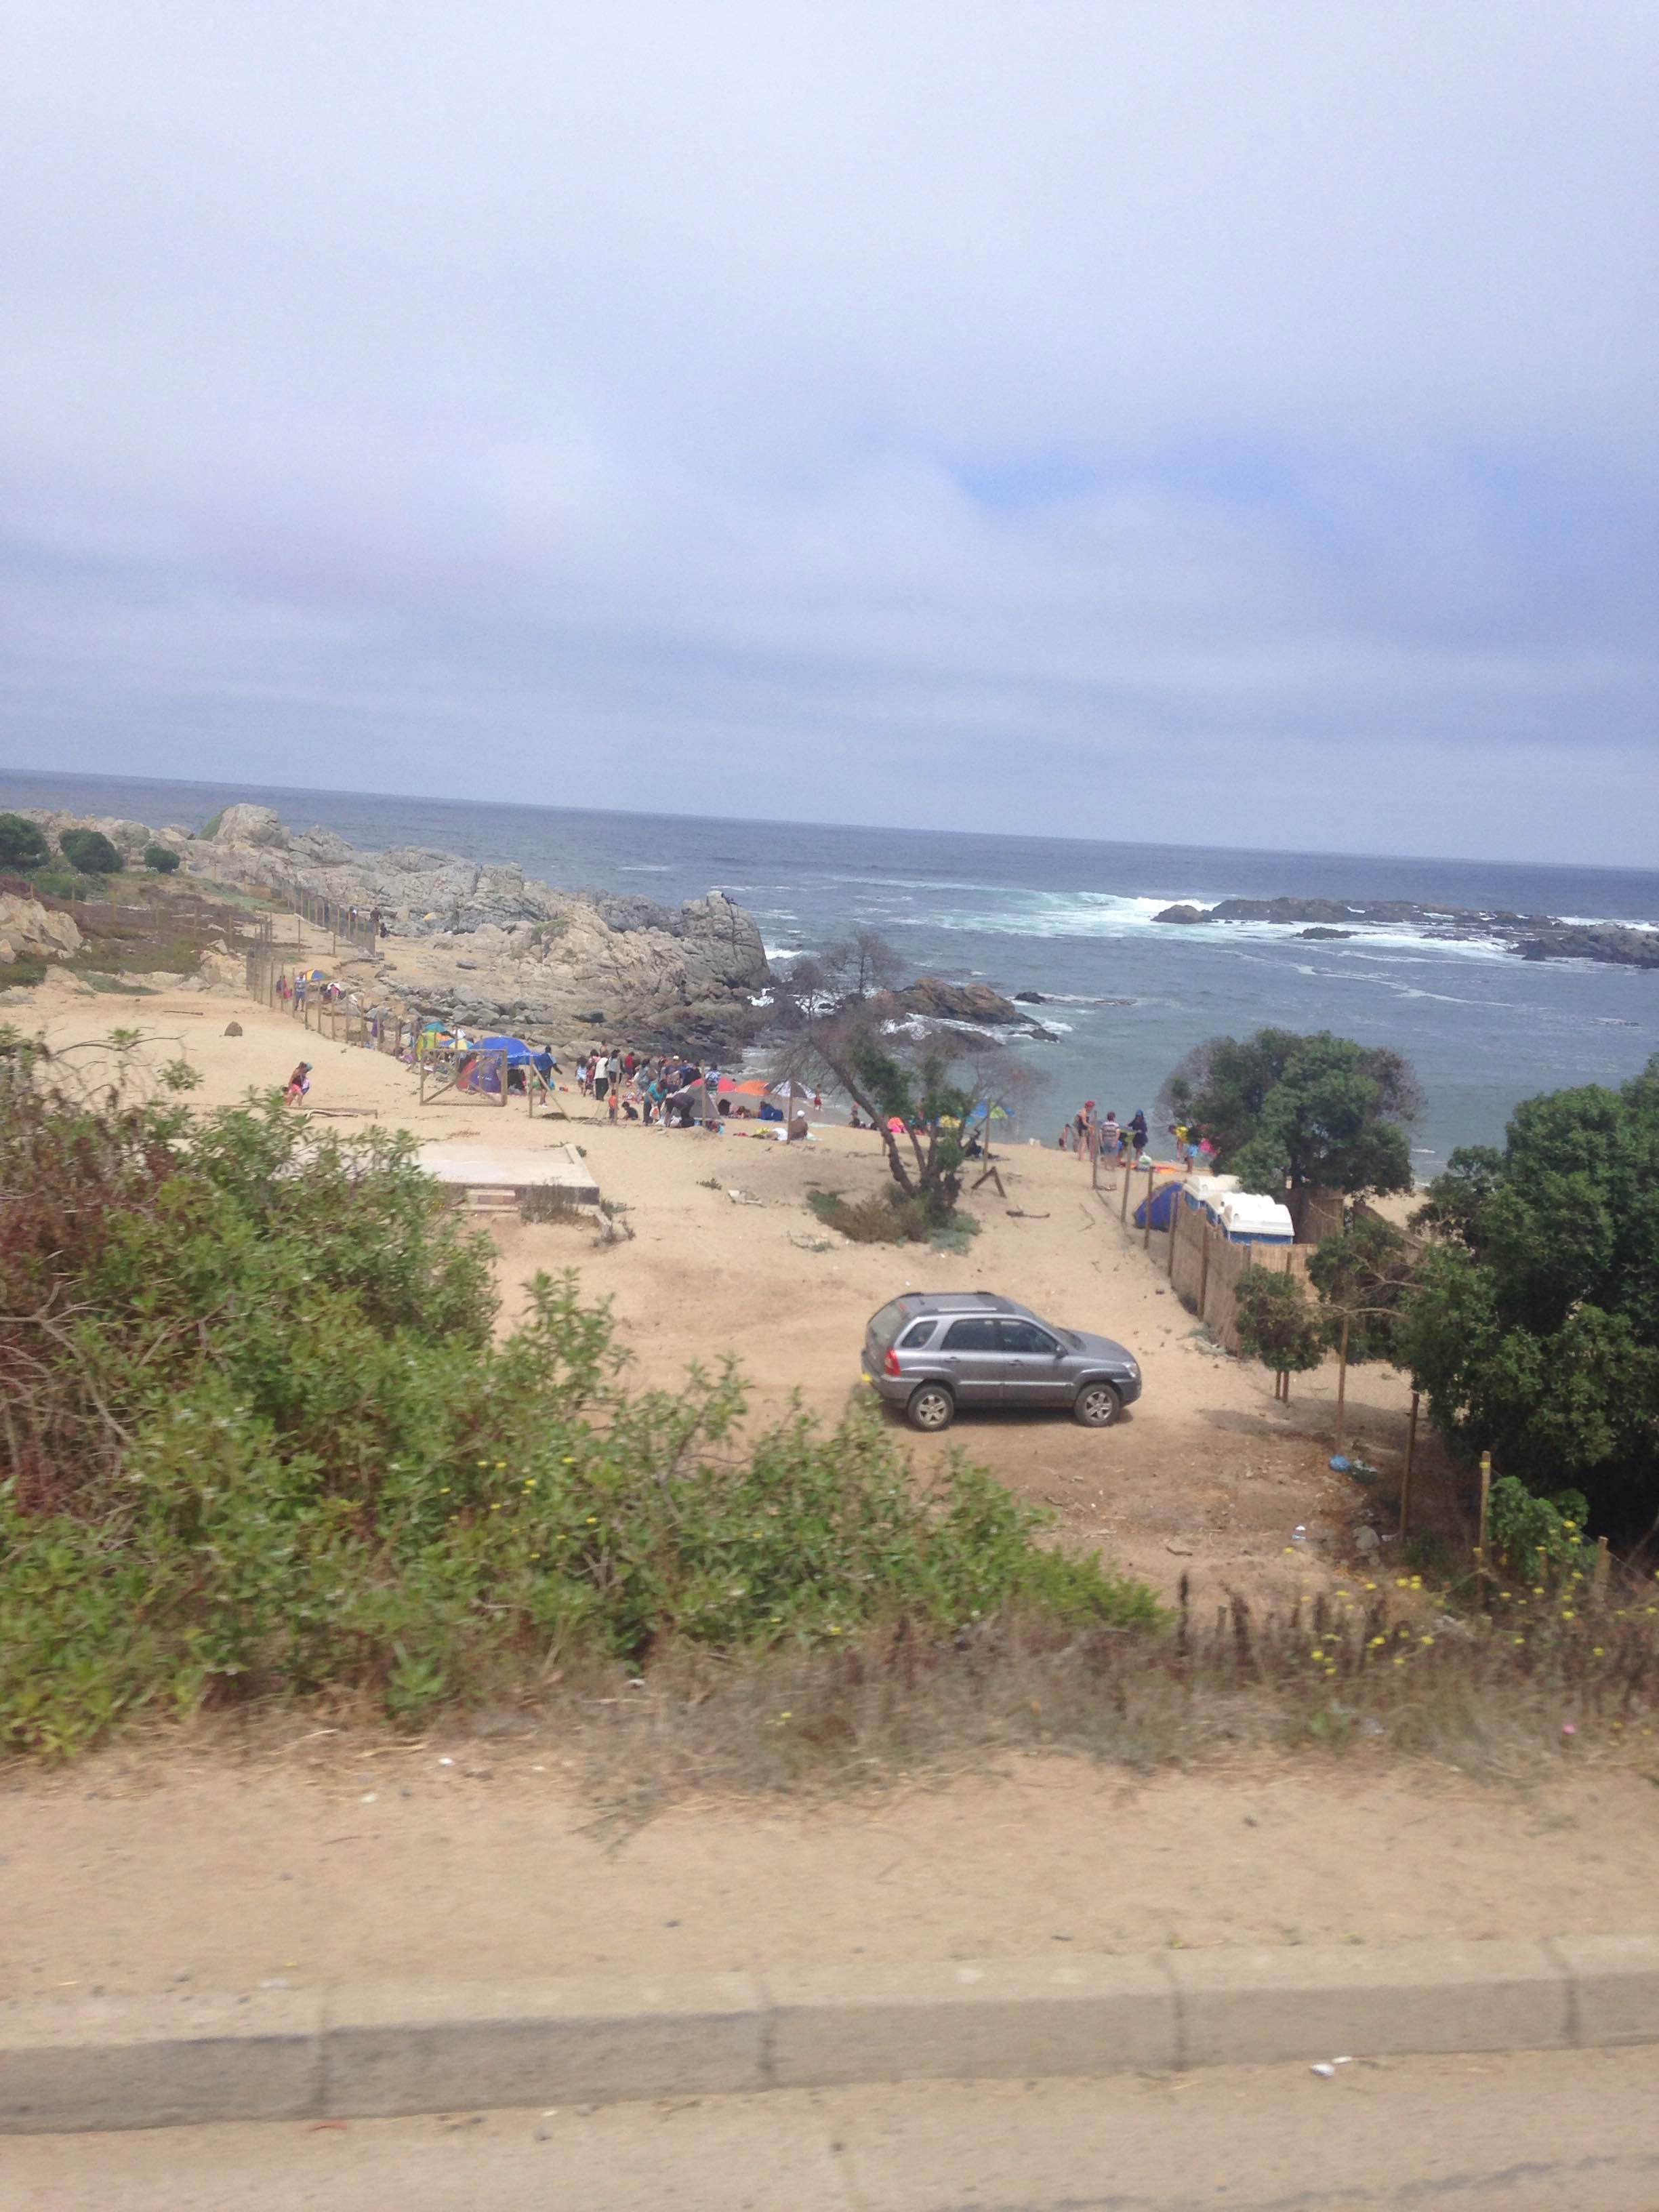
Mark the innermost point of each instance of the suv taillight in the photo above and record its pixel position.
(890, 1362)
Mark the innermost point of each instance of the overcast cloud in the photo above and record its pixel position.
(1023, 417)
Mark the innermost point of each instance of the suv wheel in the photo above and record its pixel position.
(932, 1407)
(1097, 1406)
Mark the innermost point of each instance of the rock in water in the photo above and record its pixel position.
(957, 1002)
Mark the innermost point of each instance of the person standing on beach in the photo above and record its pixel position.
(1141, 1132)
(298, 1084)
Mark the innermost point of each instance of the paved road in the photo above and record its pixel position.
(1573, 2132)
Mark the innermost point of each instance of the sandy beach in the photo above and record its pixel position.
(1207, 1475)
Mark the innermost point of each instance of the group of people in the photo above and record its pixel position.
(1108, 1139)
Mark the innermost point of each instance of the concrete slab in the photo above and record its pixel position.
(158, 2061)
(471, 1167)
(1615, 1980)
(1245, 2008)
(963, 2018)
(425, 2049)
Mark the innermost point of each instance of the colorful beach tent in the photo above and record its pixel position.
(1163, 1202)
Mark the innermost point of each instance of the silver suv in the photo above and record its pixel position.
(932, 1350)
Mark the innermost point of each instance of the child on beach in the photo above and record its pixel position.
(298, 1083)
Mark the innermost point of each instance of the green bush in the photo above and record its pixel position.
(22, 974)
(90, 853)
(23, 844)
(279, 1448)
(160, 860)
(1536, 1538)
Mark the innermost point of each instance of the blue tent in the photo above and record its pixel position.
(1163, 1202)
(519, 1054)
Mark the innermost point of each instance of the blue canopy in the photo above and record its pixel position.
(1163, 1202)
(516, 1050)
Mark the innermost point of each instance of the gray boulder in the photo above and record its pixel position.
(246, 824)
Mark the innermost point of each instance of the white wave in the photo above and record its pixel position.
(646, 868)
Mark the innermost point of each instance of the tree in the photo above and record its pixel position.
(1361, 1280)
(1534, 1325)
(23, 844)
(1362, 1277)
(90, 851)
(1276, 1326)
(161, 859)
(849, 1030)
(1303, 1112)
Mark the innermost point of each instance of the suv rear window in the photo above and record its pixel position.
(886, 1325)
(921, 1332)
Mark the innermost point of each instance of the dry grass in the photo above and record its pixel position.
(1501, 1694)
(1509, 1696)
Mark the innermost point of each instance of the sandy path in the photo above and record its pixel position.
(140, 1868)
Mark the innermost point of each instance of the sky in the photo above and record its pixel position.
(1130, 419)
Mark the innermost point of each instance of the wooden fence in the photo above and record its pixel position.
(274, 983)
(1203, 1268)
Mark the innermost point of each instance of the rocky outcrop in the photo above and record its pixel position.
(1320, 935)
(129, 838)
(1534, 936)
(29, 930)
(485, 945)
(667, 977)
(958, 1002)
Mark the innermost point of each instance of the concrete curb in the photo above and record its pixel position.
(372, 2051)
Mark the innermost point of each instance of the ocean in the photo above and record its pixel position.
(1072, 919)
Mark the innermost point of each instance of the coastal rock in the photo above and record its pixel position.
(484, 944)
(1319, 935)
(129, 838)
(246, 824)
(37, 932)
(1534, 936)
(957, 1002)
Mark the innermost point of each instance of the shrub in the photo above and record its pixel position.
(161, 859)
(259, 1438)
(1536, 1538)
(90, 853)
(23, 844)
(893, 1217)
(1277, 1324)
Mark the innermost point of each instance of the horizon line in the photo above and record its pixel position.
(795, 822)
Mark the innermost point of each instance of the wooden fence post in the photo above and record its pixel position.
(1342, 1386)
(1147, 1225)
(1485, 1504)
(1123, 1209)
(1411, 1461)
